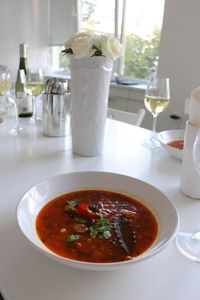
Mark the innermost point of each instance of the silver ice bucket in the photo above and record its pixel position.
(56, 111)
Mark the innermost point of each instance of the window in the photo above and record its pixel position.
(143, 24)
(137, 24)
(98, 15)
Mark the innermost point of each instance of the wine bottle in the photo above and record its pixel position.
(23, 98)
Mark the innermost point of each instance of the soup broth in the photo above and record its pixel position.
(96, 226)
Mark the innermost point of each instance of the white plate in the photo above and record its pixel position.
(40, 194)
(167, 136)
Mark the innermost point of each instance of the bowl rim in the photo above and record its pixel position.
(176, 132)
(91, 265)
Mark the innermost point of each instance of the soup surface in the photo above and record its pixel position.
(176, 144)
(96, 226)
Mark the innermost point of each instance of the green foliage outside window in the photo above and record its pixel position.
(141, 55)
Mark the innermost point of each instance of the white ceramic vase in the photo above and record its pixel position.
(90, 81)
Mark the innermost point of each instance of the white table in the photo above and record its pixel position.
(25, 274)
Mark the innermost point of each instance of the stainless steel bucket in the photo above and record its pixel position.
(56, 114)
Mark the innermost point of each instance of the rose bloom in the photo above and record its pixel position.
(110, 47)
(87, 44)
(81, 44)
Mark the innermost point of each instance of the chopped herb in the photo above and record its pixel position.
(93, 231)
(73, 202)
(101, 226)
(80, 220)
(72, 238)
(106, 234)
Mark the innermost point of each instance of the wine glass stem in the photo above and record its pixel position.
(17, 116)
(34, 108)
(154, 128)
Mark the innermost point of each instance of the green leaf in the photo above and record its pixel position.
(93, 232)
(73, 202)
(73, 237)
(80, 220)
(101, 226)
(106, 234)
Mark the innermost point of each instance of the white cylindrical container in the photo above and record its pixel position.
(190, 178)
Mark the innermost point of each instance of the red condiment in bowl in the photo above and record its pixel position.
(176, 144)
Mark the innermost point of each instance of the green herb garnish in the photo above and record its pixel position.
(73, 237)
(106, 234)
(73, 202)
(101, 227)
(80, 220)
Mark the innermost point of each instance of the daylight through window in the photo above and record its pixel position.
(137, 24)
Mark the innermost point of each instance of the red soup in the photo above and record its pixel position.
(96, 226)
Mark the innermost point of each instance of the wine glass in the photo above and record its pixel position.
(13, 101)
(35, 85)
(5, 86)
(188, 240)
(8, 107)
(156, 100)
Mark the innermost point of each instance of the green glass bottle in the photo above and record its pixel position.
(23, 99)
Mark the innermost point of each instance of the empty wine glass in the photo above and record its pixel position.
(35, 84)
(156, 100)
(188, 239)
(13, 101)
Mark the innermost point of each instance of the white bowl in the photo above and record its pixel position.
(167, 136)
(35, 198)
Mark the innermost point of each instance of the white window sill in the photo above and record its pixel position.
(141, 87)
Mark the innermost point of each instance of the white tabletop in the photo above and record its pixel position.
(25, 274)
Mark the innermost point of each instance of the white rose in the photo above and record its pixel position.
(86, 44)
(110, 46)
(70, 41)
(81, 44)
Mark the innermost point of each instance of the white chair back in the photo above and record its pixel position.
(127, 117)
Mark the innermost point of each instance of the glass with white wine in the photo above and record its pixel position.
(5, 80)
(35, 84)
(156, 100)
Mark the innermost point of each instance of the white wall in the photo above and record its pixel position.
(39, 23)
(180, 50)
(23, 21)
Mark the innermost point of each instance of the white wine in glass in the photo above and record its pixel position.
(188, 239)
(5, 80)
(5, 86)
(35, 84)
(156, 100)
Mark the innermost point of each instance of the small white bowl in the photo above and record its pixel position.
(40, 194)
(167, 136)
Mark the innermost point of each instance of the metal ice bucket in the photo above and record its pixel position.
(56, 109)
